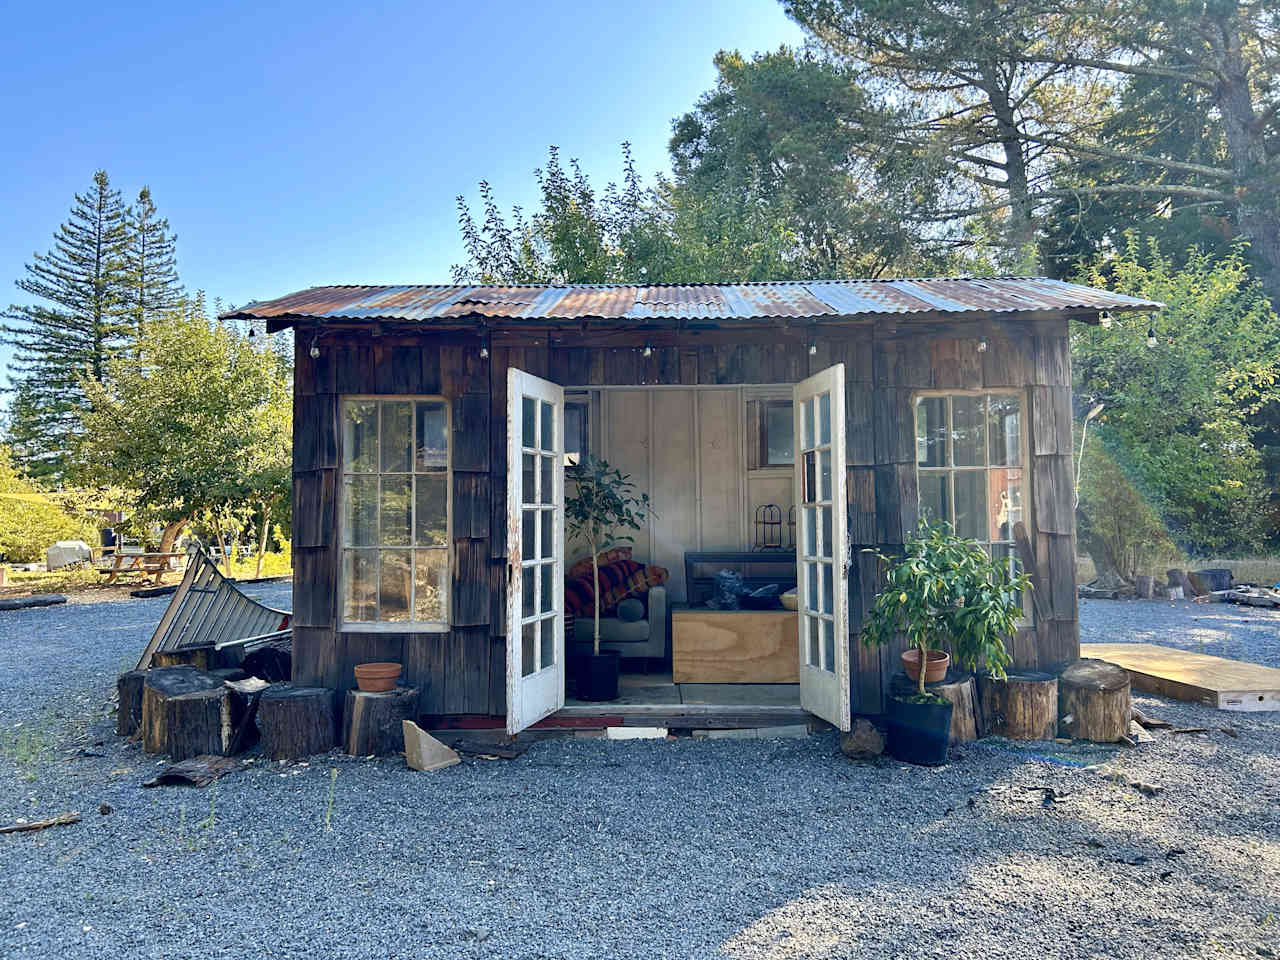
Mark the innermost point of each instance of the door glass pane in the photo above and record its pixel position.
(824, 418)
(969, 436)
(528, 535)
(780, 426)
(931, 432)
(824, 475)
(548, 487)
(429, 585)
(810, 531)
(814, 655)
(1005, 502)
(828, 646)
(393, 594)
(528, 598)
(810, 492)
(359, 526)
(815, 579)
(548, 432)
(431, 446)
(430, 520)
(548, 653)
(935, 496)
(808, 424)
(397, 436)
(360, 436)
(360, 582)
(527, 492)
(547, 592)
(1004, 430)
(548, 531)
(529, 422)
(826, 530)
(396, 511)
(971, 504)
(828, 588)
(575, 432)
(528, 648)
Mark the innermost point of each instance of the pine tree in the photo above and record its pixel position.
(77, 323)
(151, 263)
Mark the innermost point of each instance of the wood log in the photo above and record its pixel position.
(1145, 586)
(198, 723)
(197, 657)
(1023, 706)
(372, 723)
(1093, 701)
(297, 722)
(129, 702)
(160, 685)
(960, 689)
(1178, 578)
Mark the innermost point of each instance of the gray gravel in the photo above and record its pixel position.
(1219, 629)
(590, 848)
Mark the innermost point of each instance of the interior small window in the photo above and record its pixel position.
(777, 434)
(577, 430)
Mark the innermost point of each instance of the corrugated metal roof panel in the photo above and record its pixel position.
(705, 301)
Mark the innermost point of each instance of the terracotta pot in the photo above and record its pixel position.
(378, 677)
(935, 669)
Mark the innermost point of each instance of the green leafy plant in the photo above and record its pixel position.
(947, 589)
(601, 507)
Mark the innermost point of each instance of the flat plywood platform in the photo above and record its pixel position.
(1197, 677)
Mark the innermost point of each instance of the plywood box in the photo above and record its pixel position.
(734, 646)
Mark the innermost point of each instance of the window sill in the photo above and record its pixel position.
(399, 627)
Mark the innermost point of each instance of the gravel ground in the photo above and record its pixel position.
(1219, 629)
(591, 848)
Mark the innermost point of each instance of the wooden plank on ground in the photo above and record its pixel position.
(1197, 677)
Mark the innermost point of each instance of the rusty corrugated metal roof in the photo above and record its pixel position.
(801, 299)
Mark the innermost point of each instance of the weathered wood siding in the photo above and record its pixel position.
(463, 671)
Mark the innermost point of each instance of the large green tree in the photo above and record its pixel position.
(151, 263)
(75, 324)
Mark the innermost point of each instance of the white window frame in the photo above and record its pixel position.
(1024, 460)
(394, 626)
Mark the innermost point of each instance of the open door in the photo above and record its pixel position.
(822, 545)
(535, 549)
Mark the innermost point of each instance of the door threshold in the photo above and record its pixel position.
(677, 716)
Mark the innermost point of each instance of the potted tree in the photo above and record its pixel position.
(944, 591)
(601, 507)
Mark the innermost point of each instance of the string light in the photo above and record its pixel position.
(1104, 318)
(982, 346)
(314, 351)
(484, 351)
(1151, 337)
(647, 351)
(813, 349)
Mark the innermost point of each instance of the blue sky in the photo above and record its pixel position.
(294, 144)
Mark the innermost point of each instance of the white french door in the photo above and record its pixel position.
(535, 549)
(822, 545)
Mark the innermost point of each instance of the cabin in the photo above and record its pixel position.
(779, 429)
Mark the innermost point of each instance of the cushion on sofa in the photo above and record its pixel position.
(631, 609)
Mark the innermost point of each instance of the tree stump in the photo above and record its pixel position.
(960, 689)
(372, 723)
(1144, 586)
(1178, 578)
(129, 702)
(297, 722)
(1093, 701)
(1022, 707)
(197, 657)
(161, 685)
(198, 723)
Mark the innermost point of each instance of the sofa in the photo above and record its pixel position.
(646, 637)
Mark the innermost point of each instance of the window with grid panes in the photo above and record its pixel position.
(970, 466)
(395, 512)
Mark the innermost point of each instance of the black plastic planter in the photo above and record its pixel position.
(919, 732)
(599, 677)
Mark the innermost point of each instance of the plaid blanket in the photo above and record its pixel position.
(618, 580)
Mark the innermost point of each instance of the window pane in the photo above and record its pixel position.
(528, 422)
(397, 436)
(971, 504)
(548, 652)
(828, 646)
(824, 474)
(935, 496)
(779, 426)
(808, 424)
(548, 532)
(528, 648)
(547, 602)
(814, 656)
(432, 436)
(360, 513)
(528, 535)
(811, 531)
(969, 439)
(1006, 502)
(527, 492)
(931, 432)
(815, 579)
(548, 482)
(548, 428)
(825, 513)
(824, 418)
(393, 523)
(430, 519)
(1004, 425)
(1008, 557)
(360, 585)
(528, 596)
(810, 477)
(393, 594)
(828, 588)
(430, 586)
(360, 436)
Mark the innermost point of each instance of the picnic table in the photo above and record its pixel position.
(150, 565)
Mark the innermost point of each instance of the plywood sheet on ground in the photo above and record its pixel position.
(1197, 677)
